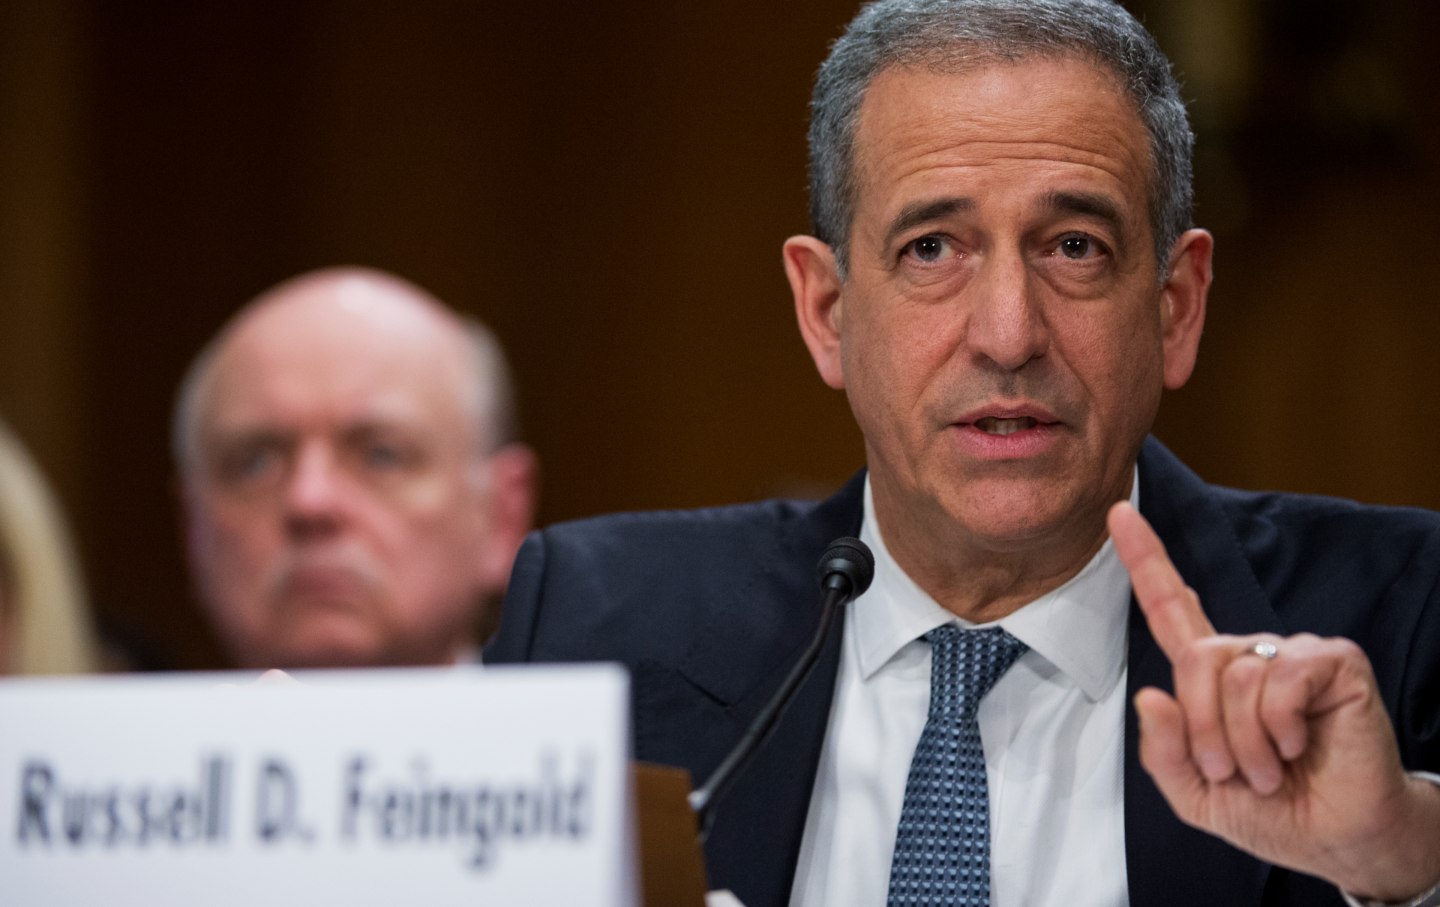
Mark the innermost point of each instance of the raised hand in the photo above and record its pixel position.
(1281, 746)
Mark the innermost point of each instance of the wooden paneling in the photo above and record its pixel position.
(608, 185)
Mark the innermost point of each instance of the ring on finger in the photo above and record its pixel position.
(1265, 649)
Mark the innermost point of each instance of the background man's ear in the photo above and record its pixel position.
(513, 484)
(815, 283)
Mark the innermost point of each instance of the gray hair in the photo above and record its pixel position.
(494, 387)
(491, 394)
(953, 35)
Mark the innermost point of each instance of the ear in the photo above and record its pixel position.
(510, 502)
(815, 283)
(1187, 287)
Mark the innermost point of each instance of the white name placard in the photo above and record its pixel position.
(495, 786)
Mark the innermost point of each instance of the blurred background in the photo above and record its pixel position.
(608, 184)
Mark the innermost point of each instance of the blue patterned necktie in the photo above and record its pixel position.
(942, 847)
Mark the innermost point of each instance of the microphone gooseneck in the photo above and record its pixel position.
(844, 573)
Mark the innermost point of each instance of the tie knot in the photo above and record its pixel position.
(965, 664)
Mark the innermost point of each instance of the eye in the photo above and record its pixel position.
(249, 462)
(929, 248)
(1079, 246)
(382, 456)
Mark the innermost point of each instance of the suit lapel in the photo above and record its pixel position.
(761, 821)
(735, 661)
(1169, 863)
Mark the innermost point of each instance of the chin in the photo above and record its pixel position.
(1010, 537)
(330, 639)
(1016, 522)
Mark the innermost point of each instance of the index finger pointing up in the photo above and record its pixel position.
(1171, 608)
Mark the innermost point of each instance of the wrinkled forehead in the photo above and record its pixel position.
(1060, 68)
(1060, 99)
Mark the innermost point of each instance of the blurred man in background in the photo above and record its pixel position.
(353, 491)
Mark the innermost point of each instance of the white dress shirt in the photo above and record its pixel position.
(1053, 729)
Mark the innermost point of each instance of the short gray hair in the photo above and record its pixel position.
(499, 423)
(958, 34)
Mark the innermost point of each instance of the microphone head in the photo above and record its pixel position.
(846, 565)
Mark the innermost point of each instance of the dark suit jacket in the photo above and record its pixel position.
(709, 608)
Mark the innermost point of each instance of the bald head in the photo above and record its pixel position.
(352, 493)
(349, 307)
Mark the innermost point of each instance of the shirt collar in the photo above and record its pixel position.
(1080, 627)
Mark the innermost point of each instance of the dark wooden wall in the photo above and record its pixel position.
(608, 185)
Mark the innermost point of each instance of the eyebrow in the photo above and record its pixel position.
(917, 213)
(232, 435)
(1087, 204)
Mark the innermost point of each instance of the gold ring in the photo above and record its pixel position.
(1266, 650)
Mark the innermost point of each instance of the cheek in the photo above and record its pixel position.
(433, 569)
(237, 538)
(897, 350)
(1142, 361)
(433, 535)
(232, 553)
(1120, 364)
(421, 496)
(1115, 338)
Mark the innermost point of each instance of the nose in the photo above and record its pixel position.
(313, 493)
(1006, 323)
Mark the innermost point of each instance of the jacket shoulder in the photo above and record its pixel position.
(1285, 533)
(663, 540)
(630, 586)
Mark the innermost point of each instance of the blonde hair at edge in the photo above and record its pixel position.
(44, 615)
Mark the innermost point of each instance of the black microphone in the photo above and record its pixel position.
(844, 572)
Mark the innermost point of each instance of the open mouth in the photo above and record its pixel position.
(993, 425)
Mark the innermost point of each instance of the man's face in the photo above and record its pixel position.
(339, 514)
(1003, 336)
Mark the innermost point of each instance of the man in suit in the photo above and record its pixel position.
(354, 494)
(1003, 279)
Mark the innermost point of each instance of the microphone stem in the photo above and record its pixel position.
(703, 798)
